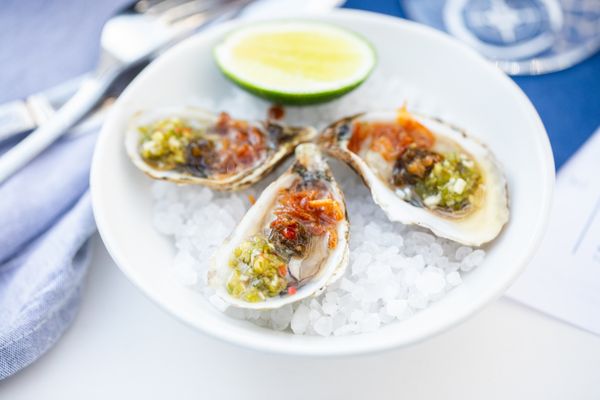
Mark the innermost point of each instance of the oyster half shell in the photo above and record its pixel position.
(218, 151)
(479, 222)
(324, 256)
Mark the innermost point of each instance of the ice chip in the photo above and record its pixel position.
(300, 319)
(324, 326)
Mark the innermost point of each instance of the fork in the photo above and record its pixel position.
(131, 37)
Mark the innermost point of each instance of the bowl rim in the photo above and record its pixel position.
(355, 344)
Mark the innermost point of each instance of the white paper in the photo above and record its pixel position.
(563, 280)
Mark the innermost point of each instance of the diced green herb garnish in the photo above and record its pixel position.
(258, 272)
(163, 143)
(451, 183)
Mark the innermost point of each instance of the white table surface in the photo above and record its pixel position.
(122, 345)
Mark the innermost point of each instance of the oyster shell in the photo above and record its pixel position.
(193, 146)
(464, 198)
(298, 227)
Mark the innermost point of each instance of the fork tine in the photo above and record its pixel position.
(157, 7)
(191, 7)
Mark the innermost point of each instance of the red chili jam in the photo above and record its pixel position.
(304, 213)
(390, 139)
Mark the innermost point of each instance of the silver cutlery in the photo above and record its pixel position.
(130, 38)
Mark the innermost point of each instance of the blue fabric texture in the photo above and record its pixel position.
(46, 220)
(45, 210)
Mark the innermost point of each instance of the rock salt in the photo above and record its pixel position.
(281, 317)
(431, 282)
(324, 326)
(453, 278)
(358, 292)
(370, 323)
(417, 300)
(347, 285)
(344, 330)
(329, 307)
(332, 296)
(462, 252)
(300, 319)
(422, 237)
(361, 262)
(357, 315)
(378, 271)
(387, 278)
(313, 315)
(475, 258)
(396, 308)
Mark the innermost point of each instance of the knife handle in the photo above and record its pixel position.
(37, 141)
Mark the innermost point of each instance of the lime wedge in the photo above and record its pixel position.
(295, 62)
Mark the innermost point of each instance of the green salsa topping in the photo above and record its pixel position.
(206, 148)
(258, 272)
(304, 212)
(163, 144)
(451, 183)
(446, 181)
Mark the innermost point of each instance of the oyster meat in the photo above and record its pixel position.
(423, 171)
(190, 145)
(291, 243)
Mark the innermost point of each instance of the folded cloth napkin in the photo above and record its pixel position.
(45, 223)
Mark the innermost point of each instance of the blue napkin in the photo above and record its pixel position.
(45, 222)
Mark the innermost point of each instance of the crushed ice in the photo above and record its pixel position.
(393, 272)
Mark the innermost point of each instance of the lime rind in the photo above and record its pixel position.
(300, 97)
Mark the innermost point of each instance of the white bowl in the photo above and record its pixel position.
(478, 96)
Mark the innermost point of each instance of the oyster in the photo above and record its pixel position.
(190, 145)
(292, 242)
(423, 171)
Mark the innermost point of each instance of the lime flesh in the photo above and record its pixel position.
(295, 62)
